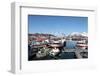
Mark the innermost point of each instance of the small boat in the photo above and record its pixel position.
(55, 45)
(82, 46)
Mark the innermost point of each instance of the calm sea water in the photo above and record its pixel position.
(64, 55)
(71, 44)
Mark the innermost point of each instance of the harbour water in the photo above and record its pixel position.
(71, 44)
(69, 52)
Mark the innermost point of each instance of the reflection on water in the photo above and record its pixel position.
(63, 55)
(66, 51)
(71, 44)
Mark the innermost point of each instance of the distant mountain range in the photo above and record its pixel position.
(73, 34)
(41, 34)
(83, 34)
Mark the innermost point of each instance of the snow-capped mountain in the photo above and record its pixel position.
(79, 34)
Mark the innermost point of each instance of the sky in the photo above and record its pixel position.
(57, 24)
